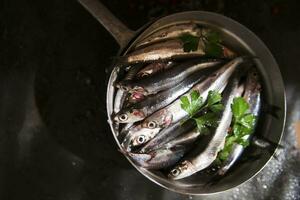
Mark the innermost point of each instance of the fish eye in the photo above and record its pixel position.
(175, 172)
(123, 117)
(152, 124)
(141, 139)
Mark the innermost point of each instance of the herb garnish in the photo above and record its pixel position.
(212, 44)
(212, 106)
(242, 125)
(190, 42)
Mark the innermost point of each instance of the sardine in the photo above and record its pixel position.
(152, 103)
(205, 158)
(168, 79)
(166, 50)
(170, 32)
(158, 159)
(168, 134)
(253, 97)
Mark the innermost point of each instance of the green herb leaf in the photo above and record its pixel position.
(212, 46)
(213, 50)
(247, 121)
(213, 98)
(190, 42)
(207, 120)
(217, 108)
(239, 107)
(213, 37)
(191, 107)
(212, 107)
(185, 103)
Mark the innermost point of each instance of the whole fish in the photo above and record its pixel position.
(152, 103)
(168, 79)
(205, 158)
(154, 68)
(174, 113)
(168, 134)
(165, 50)
(158, 159)
(170, 32)
(252, 95)
(120, 94)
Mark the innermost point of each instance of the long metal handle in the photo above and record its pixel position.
(117, 29)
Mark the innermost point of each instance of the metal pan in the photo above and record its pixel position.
(242, 40)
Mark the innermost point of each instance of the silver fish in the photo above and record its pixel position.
(205, 158)
(152, 103)
(158, 159)
(168, 79)
(168, 134)
(253, 96)
(170, 32)
(165, 50)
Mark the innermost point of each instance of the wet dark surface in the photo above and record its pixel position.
(55, 142)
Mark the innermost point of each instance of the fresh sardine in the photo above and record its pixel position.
(158, 159)
(152, 103)
(166, 50)
(205, 158)
(168, 79)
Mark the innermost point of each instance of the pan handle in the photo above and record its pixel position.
(115, 27)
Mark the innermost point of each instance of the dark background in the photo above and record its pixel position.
(55, 142)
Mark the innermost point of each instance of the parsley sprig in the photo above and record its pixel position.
(242, 125)
(194, 104)
(212, 44)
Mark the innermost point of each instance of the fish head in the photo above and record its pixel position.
(160, 119)
(138, 136)
(129, 116)
(184, 169)
(131, 87)
(143, 136)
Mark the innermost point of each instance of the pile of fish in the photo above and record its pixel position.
(154, 130)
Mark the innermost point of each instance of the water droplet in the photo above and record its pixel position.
(264, 186)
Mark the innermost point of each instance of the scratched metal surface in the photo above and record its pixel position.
(54, 139)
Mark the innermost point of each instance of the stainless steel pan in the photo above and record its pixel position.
(244, 41)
